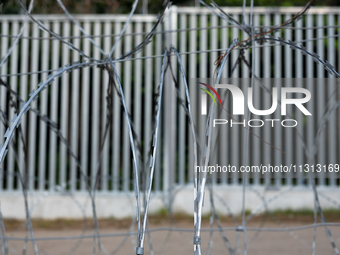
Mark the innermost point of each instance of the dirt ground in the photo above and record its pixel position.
(176, 242)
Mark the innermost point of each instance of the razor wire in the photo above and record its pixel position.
(200, 182)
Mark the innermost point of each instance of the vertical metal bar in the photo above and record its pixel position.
(244, 67)
(44, 110)
(266, 51)
(85, 104)
(267, 155)
(299, 114)
(13, 84)
(192, 89)
(54, 109)
(277, 115)
(224, 149)
(105, 157)
(116, 119)
(203, 66)
(298, 57)
(244, 141)
(174, 25)
(235, 155)
(321, 155)
(256, 143)
(75, 115)
(127, 92)
(288, 74)
(235, 53)
(33, 118)
(225, 40)
(23, 94)
(95, 111)
(158, 64)
(170, 111)
(3, 90)
(245, 74)
(148, 101)
(137, 90)
(64, 101)
(331, 88)
(182, 118)
(213, 56)
(278, 50)
(310, 86)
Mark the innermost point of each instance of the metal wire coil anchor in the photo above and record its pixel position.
(197, 240)
(240, 229)
(139, 251)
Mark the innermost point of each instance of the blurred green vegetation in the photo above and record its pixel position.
(278, 2)
(154, 6)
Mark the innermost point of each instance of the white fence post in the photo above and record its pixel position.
(169, 95)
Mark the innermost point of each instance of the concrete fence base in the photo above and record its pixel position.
(122, 205)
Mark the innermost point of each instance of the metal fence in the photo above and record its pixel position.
(77, 101)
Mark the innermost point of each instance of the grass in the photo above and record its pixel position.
(305, 212)
(163, 217)
(328, 213)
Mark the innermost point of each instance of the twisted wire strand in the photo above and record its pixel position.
(43, 27)
(94, 63)
(17, 38)
(79, 27)
(161, 32)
